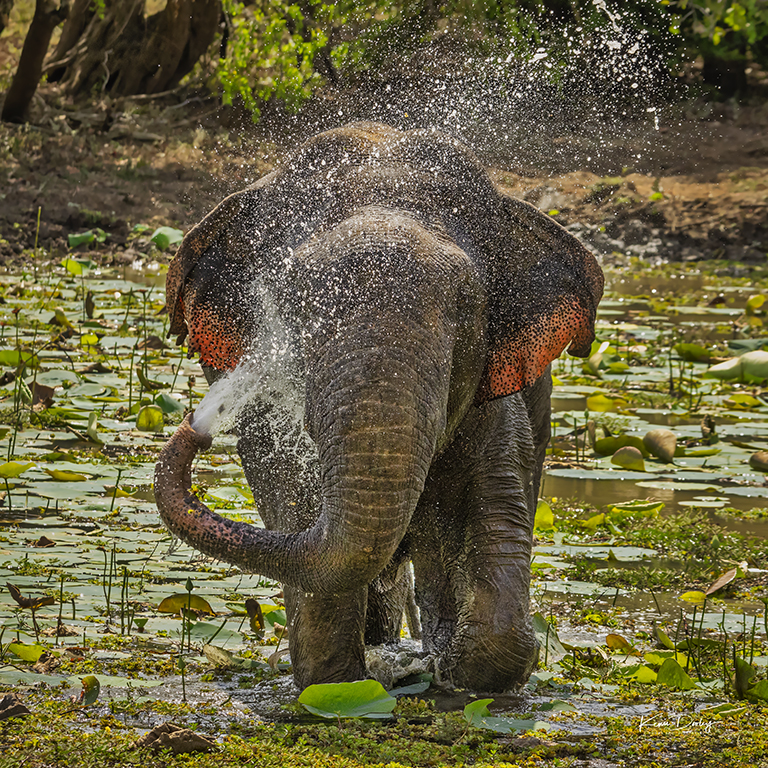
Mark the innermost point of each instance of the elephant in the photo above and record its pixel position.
(422, 308)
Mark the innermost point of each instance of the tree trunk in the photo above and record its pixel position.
(48, 15)
(123, 52)
(5, 13)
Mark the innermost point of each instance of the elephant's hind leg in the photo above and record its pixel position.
(387, 598)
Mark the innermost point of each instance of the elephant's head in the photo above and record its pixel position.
(416, 292)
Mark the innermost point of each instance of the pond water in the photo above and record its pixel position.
(103, 389)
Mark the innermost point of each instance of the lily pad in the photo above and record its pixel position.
(364, 698)
(150, 419)
(476, 713)
(183, 601)
(673, 675)
(751, 367)
(629, 458)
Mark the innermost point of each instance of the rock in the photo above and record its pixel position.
(661, 443)
(11, 706)
(178, 740)
(759, 461)
(629, 457)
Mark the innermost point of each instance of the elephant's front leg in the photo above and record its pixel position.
(494, 646)
(326, 636)
(326, 632)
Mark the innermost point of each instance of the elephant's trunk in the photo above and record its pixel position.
(375, 452)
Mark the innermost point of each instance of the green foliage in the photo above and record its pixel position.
(726, 23)
(285, 51)
(272, 50)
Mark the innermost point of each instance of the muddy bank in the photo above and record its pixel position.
(695, 187)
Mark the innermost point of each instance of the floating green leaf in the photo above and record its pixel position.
(694, 596)
(476, 713)
(75, 240)
(630, 458)
(96, 235)
(754, 303)
(602, 403)
(183, 600)
(30, 653)
(91, 690)
(693, 353)
(744, 672)
(545, 519)
(163, 237)
(638, 507)
(14, 469)
(150, 419)
(657, 658)
(663, 638)
(364, 698)
(273, 615)
(557, 705)
(13, 358)
(168, 404)
(607, 446)
(78, 267)
(63, 476)
(759, 691)
(639, 672)
(751, 367)
(414, 688)
(673, 675)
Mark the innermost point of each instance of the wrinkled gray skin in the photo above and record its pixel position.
(385, 254)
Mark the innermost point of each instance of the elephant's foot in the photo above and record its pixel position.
(494, 647)
(326, 637)
(489, 661)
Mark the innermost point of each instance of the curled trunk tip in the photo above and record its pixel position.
(201, 440)
(173, 472)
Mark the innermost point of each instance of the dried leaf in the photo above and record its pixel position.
(725, 578)
(178, 740)
(33, 603)
(619, 643)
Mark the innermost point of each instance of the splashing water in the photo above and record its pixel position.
(586, 96)
(267, 372)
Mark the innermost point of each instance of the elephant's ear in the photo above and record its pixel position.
(544, 288)
(224, 221)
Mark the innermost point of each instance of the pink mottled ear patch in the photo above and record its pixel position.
(522, 357)
(217, 341)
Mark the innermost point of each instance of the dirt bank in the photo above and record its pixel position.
(697, 189)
